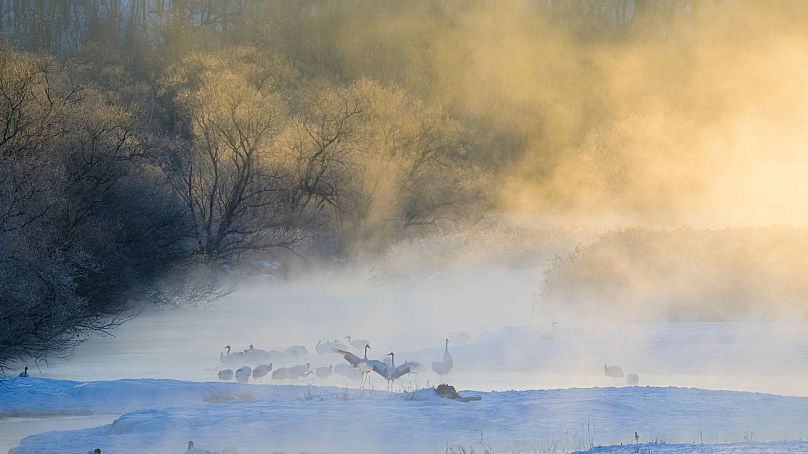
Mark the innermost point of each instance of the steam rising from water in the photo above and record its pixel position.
(412, 314)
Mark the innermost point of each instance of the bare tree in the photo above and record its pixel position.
(236, 194)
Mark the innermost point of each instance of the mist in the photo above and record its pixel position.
(619, 113)
(581, 209)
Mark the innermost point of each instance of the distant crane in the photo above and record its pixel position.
(324, 372)
(444, 367)
(243, 374)
(324, 348)
(613, 371)
(24, 373)
(226, 374)
(231, 358)
(301, 371)
(282, 373)
(261, 370)
(549, 335)
(275, 355)
(296, 351)
(256, 354)
(632, 379)
(193, 450)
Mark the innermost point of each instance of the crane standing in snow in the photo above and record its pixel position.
(24, 373)
(324, 372)
(231, 358)
(243, 374)
(256, 354)
(261, 370)
(444, 367)
(612, 371)
(296, 351)
(226, 374)
(193, 450)
(363, 364)
(391, 372)
(549, 335)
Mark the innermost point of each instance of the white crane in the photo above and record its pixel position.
(193, 450)
(276, 356)
(261, 370)
(296, 351)
(358, 344)
(365, 365)
(391, 373)
(282, 373)
(243, 374)
(256, 354)
(24, 373)
(324, 372)
(226, 374)
(231, 358)
(613, 371)
(301, 371)
(632, 379)
(549, 335)
(324, 348)
(444, 367)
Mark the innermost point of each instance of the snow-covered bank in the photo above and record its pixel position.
(773, 447)
(293, 419)
(39, 396)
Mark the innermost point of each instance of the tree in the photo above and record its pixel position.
(226, 172)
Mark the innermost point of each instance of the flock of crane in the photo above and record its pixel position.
(355, 367)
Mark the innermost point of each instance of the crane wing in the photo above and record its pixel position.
(352, 359)
(401, 370)
(378, 366)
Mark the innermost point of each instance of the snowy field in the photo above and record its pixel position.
(159, 416)
(737, 387)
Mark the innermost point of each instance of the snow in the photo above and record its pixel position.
(779, 447)
(160, 416)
